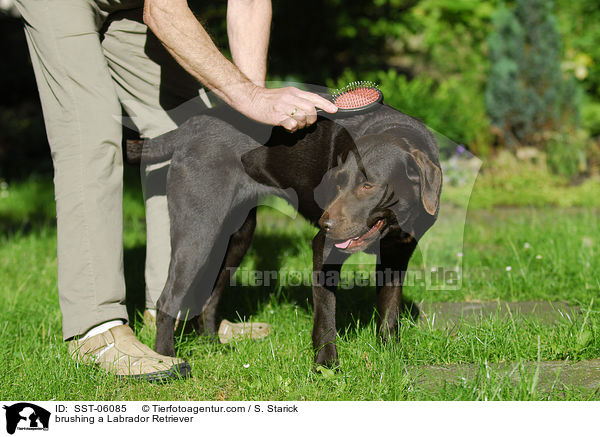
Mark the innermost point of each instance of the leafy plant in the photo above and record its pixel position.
(566, 154)
(526, 95)
(578, 22)
(590, 113)
(450, 107)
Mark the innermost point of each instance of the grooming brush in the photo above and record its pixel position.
(356, 97)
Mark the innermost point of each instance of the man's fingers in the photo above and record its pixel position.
(289, 124)
(318, 101)
(288, 107)
(300, 118)
(307, 110)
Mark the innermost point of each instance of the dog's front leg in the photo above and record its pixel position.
(325, 282)
(391, 269)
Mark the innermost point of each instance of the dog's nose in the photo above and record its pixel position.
(326, 222)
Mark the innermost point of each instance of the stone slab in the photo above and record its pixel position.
(551, 375)
(448, 314)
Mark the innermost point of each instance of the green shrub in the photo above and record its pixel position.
(590, 114)
(566, 154)
(526, 96)
(452, 108)
(578, 22)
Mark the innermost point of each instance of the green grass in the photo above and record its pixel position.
(508, 181)
(553, 254)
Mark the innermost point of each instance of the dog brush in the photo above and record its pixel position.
(356, 97)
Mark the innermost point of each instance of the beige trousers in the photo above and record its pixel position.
(91, 58)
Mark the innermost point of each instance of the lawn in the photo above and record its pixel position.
(513, 253)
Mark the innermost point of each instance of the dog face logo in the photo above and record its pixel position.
(26, 416)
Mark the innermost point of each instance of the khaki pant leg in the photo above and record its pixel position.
(81, 113)
(158, 95)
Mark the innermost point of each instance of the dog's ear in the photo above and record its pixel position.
(430, 179)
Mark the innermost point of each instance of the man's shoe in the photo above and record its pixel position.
(236, 331)
(227, 331)
(118, 351)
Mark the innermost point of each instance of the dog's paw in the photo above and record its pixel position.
(388, 332)
(326, 371)
(327, 357)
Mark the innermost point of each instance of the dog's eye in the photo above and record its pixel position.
(367, 186)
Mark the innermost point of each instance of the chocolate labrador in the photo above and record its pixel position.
(371, 182)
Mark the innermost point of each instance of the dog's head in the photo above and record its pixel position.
(390, 185)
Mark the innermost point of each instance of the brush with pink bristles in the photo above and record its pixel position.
(356, 97)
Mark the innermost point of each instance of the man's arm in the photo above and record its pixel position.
(184, 37)
(248, 29)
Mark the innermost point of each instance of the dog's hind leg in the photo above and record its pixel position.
(165, 341)
(392, 264)
(237, 248)
(200, 232)
(195, 262)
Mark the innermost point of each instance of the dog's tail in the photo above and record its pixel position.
(158, 149)
(133, 151)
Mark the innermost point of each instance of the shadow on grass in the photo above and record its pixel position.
(134, 259)
(354, 305)
(28, 207)
(11, 225)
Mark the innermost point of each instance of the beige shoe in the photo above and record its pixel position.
(236, 331)
(227, 331)
(118, 351)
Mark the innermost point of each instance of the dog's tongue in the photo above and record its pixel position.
(344, 244)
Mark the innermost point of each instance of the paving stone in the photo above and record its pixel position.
(552, 375)
(448, 314)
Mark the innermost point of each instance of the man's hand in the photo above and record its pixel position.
(248, 26)
(187, 41)
(289, 107)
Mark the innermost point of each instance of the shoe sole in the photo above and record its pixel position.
(178, 371)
